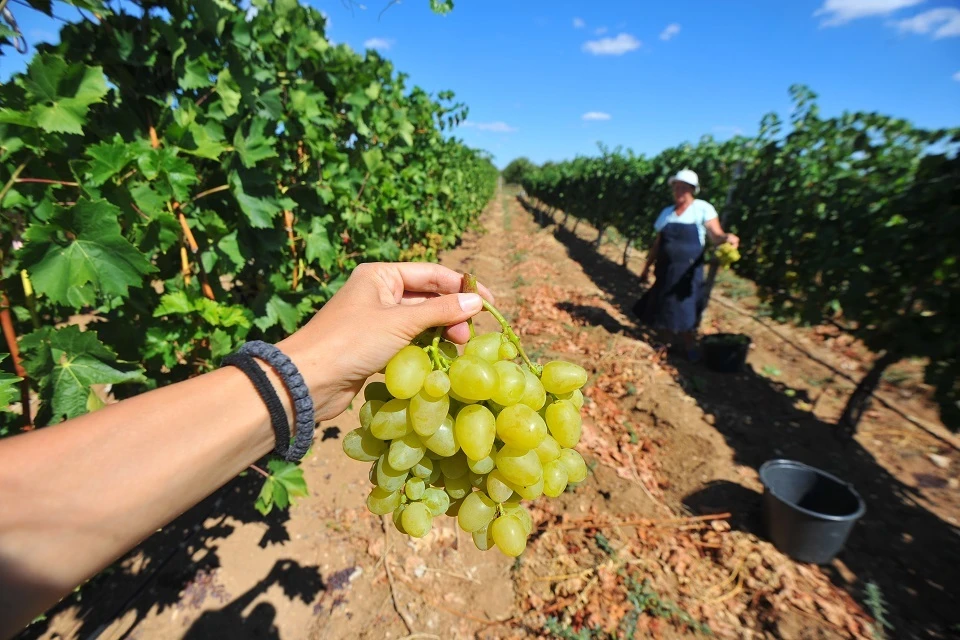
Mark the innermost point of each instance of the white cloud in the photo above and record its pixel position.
(943, 23)
(617, 46)
(599, 31)
(837, 12)
(377, 43)
(595, 115)
(578, 23)
(956, 76)
(671, 30)
(495, 127)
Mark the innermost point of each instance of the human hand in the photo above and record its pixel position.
(732, 240)
(380, 309)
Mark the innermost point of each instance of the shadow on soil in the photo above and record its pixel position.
(168, 577)
(909, 552)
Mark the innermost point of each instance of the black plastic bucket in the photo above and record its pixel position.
(808, 512)
(725, 352)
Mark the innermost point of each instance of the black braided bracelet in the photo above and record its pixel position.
(303, 414)
(278, 417)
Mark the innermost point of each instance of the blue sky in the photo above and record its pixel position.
(549, 79)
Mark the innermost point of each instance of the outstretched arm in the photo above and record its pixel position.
(75, 496)
(718, 235)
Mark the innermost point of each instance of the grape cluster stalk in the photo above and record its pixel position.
(470, 435)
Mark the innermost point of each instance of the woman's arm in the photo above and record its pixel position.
(651, 259)
(75, 496)
(718, 236)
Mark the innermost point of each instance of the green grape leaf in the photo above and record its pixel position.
(229, 92)
(319, 248)
(60, 94)
(255, 146)
(80, 254)
(231, 248)
(220, 344)
(66, 362)
(170, 173)
(195, 74)
(279, 310)
(109, 159)
(259, 211)
(285, 483)
(372, 158)
(8, 387)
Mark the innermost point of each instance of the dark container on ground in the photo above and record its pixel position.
(808, 513)
(725, 352)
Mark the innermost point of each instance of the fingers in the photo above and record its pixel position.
(458, 333)
(441, 311)
(432, 278)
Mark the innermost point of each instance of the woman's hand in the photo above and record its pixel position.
(379, 310)
(732, 240)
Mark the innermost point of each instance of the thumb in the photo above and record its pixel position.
(442, 311)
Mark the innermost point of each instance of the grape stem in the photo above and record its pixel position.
(469, 285)
(512, 337)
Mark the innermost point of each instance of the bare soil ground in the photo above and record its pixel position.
(662, 540)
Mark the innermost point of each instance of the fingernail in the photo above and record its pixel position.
(470, 302)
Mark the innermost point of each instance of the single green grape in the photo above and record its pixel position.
(477, 511)
(398, 519)
(562, 377)
(360, 445)
(457, 488)
(405, 452)
(520, 466)
(573, 462)
(368, 411)
(485, 465)
(482, 538)
(508, 535)
(443, 441)
(436, 384)
(391, 420)
(530, 492)
(554, 478)
(549, 449)
(485, 345)
(427, 412)
(423, 468)
(416, 519)
(498, 487)
(376, 391)
(476, 429)
(389, 478)
(449, 349)
(406, 371)
(473, 378)
(381, 501)
(517, 510)
(521, 427)
(455, 466)
(508, 351)
(511, 383)
(564, 423)
(436, 500)
(414, 488)
(534, 394)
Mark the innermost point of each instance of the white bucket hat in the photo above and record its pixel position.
(687, 176)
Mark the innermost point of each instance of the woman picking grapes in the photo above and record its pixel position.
(677, 253)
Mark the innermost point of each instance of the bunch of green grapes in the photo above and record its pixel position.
(726, 254)
(470, 435)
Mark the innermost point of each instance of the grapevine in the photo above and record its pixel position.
(470, 435)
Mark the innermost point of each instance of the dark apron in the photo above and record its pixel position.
(673, 303)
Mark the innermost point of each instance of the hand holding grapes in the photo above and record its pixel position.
(380, 309)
